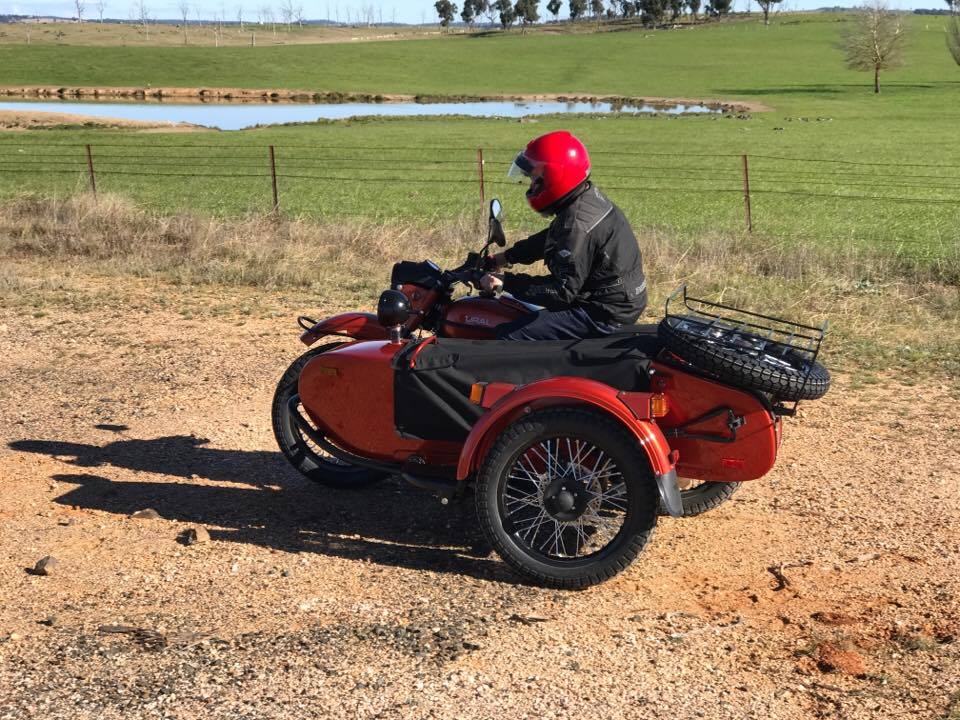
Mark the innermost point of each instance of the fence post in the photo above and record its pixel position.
(93, 177)
(273, 178)
(483, 200)
(746, 193)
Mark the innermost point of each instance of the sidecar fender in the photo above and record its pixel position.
(358, 325)
(628, 408)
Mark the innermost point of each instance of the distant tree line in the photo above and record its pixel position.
(506, 13)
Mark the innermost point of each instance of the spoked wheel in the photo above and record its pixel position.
(304, 454)
(745, 359)
(566, 498)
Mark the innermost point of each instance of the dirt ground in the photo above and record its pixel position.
(18, 120)
(118, 396)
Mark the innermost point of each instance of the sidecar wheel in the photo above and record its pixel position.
(700, 497)
(566, 497)
(308, 458)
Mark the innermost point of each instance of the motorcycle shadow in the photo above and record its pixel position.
(254, 497)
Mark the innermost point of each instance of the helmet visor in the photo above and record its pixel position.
(521, 169)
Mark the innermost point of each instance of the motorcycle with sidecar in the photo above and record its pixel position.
(572, 448)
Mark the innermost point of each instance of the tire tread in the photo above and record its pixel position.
(742, 371)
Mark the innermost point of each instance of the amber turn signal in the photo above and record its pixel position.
(476, 392)
(659, 405)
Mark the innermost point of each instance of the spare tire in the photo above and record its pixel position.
(744, 359)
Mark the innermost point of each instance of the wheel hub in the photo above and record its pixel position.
(565, 499)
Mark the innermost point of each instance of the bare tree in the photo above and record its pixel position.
(953, 39)
(486, 8)
(143, 16)
(80, 6)
(875, 41)
(184, 7)
(765, 6)
(269, 19)
(240, 17)
(101, 7)
(298, 14)
(286, 13)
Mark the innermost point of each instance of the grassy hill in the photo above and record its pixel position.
(887, 170)
(792, 63)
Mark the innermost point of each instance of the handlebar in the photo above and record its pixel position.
(468, 276)
(470, 273)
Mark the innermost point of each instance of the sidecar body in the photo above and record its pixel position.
(431, 410)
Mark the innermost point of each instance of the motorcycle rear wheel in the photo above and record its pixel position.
(305, 455)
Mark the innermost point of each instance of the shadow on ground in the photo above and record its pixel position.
(264, 502)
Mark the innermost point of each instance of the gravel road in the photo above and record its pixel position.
(306, 602)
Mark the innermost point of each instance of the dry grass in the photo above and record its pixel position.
(885, 311)
(205, 35)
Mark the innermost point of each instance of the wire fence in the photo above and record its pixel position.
(905, 207)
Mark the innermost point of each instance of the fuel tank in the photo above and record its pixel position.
(348, 394)
(478, 317)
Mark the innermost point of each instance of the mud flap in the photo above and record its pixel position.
(670, 499)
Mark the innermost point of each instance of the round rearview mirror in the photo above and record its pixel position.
(495, 209)
(393, 308)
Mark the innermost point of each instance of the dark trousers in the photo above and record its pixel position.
(569, 324)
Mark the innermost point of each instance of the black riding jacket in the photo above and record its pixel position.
(593, 258)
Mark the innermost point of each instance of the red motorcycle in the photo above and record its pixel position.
(572, 448)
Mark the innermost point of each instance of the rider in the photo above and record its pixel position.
(596, 282)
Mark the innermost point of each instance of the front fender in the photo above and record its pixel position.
(358, 325)
(624, 407)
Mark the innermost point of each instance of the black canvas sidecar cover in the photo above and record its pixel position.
(432, 399)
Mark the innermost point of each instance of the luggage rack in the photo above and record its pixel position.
(763, 335)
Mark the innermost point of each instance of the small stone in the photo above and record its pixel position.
(13, 637)
(67, 522)
(46, 565)
(146, 514)
(196, 535)
(48, 621)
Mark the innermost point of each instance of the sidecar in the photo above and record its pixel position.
(572, 448)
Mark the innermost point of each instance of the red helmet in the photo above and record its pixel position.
(555, 163)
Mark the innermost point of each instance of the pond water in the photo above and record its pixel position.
(226, 116)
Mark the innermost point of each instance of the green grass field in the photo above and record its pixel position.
(890, 176)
